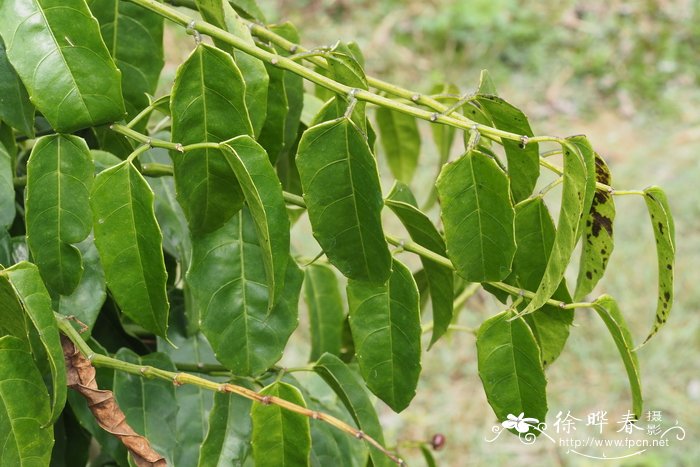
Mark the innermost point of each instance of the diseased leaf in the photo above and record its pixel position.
(385, 324)
(665, 237)
(326, 314)
(59, 178)
(478, 217)
(25, 415)
(230, 297)
(129, 242)
(32, 301)
(351, 391)
(401, 142)
(15, 108)
(422, 231)
(134, 38)
(597, 234)
(609, 312)
(88, 297)
(581, 143)
(569, 217)
(7, 189)
(58, 52)
(208, 105)
(344, 199)
(149, 404)
(534, 235)
(510, 367)
(280, 436)
(263, 194)
(523, 162)
(228, 440)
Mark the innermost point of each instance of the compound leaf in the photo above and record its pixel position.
(59, 178)
(130, 245)
(385, 325)
(58, 52)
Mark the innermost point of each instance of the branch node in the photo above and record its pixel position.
(415, 97)
(193, 32)
(293, 49)
(360, 435)
(266, 400)
(315, 415)
(223, 388)
(143, 370)
(524, 139)
(179, 148)
(434, 116)
(274, 61)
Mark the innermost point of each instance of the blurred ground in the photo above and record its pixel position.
(626, 74)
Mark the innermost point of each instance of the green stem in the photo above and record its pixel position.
(627, 192)
(154, 169)
(452, 327)
(180, 378)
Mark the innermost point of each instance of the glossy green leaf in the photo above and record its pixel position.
(422, 231)
(385, 324)
(103, 160)
(230, 297)
(280, 436)
(228, 440)
(401, 142)
(534, 235)
(88, 297)
(523, 162)
(171, 218)
(149, 404)
(609, 312)
(15, 108)
(665, 237)
(326, 313)
(248, 9)
(58, 52)
(597, 234)
(110, 141)
(208, 105)
(33, 298)
(344, 199)
(347, 385)
(344, 68)
(293, 87)
(129, 242)
(478, 217)
(134, 38)
(72, 442)
(588, 155)
(263, 194)
(7, 189)
(444, 135)
(59, 178)
(574, 188)
(510, 367)
(25, 415)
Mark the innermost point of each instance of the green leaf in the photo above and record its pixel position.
(428, 456)
(228, 440)
(208, 105)
(25, 416)
(581, 143)
(665, 236)
(401, 142)
(385, 324)
(59, 178)
(230, 295)
(444, 135)
(171, 219)
(72, 445)
(293, 87)
(280, 436)
(351, 391)
(609, 312)
(149, 404)
(510, 367)
(478, 217)
(597, 233)
(85, 303)
(129, 241)
(134, 38)
(31, 296)
(534, 235)
(249, 9)
(15, 108)
(422, 231)
(523, 162)
(263, 194)
(574, 188)
(7, 189)
(326, 314)
(344, 68)
(344, 199)
(63, 62)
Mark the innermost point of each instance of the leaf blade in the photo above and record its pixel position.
(401, 142)
(326, 313)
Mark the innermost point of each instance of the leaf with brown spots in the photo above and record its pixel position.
(664, 234)
(597, 235)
